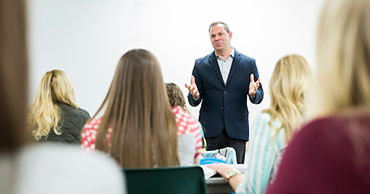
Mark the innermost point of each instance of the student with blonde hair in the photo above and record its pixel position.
(54, 115)
(27, 168)
(273, 129)
(138, 128)
(331, 154)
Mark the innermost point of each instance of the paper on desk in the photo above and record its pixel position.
(209, 172)
(241, 167)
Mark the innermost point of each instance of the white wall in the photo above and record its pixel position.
(86, 38)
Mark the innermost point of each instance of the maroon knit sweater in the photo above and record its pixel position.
(329, 155)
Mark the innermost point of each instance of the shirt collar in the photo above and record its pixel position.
(231, 54)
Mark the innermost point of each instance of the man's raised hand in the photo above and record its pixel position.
(253, 86)
(193, 89)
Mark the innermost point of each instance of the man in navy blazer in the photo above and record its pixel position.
(222, 81)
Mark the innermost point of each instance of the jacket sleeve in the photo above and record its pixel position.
(198, 82)
(259, 94)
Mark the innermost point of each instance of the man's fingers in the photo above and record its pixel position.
(193, 87)
(193, 91)
(187, 86)
(252, 78)
(258, 82)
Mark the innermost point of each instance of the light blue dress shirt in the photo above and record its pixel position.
(225, 65)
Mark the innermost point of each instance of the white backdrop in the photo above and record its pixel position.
(86, 38)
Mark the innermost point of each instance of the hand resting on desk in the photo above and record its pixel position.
(223, 170)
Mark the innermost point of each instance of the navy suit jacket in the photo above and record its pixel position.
(225, 105)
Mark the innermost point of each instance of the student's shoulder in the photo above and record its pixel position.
(80, 169)
(93, 124)
(186, 123)
(263, 117)
(71, 111)
(183, 115)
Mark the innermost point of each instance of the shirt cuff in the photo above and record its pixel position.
(241, 189)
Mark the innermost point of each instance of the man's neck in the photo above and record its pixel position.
(225, 54)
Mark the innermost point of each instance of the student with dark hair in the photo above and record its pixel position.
(186, 142)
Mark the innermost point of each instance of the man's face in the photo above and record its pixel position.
(220, 39)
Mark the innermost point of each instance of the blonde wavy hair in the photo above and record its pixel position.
(343, 54)
(144, 129)
(288, 88)
(44, 113)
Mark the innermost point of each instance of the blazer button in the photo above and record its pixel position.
(225, 92)
(222, 108)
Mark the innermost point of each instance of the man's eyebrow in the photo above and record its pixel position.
(216, 33)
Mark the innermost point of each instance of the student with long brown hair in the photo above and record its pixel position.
(39, 168)
(138, 128)
(54, 115)
(331, 154)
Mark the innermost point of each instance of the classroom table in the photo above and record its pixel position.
(218, 185)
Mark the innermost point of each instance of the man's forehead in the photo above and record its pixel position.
(217, 28)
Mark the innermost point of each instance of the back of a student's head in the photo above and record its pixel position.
(289, 85)
(55, 86)
(13, 74)
(143, 127)
(175, 96)
(343, 54)
(137, 81)
(44, 114)
(290, 81)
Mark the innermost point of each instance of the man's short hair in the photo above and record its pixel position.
(227, 28)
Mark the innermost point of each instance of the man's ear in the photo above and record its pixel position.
(230, 34)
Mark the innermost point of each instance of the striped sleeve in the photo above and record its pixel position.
(261, 154)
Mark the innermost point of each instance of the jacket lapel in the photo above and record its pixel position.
(234, 66)
(216, 68)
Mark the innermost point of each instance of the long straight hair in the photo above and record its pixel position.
(143, 127)
(288, 89)
(44, 114)
(13, 75)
